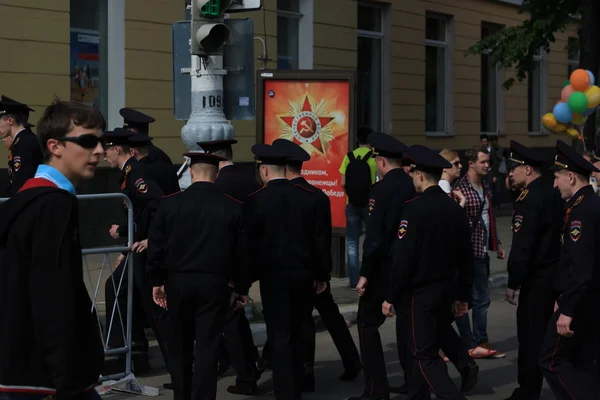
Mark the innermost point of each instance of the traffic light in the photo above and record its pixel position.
(209, 33)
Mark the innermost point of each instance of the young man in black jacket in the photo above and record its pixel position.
(49, 339)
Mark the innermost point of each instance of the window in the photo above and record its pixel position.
(536, 93)
(573, 51)
(288, 37)
(438, 74)
(369, 64)
(491, 89)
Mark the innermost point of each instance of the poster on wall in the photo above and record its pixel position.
(314, 109)
(85, 66)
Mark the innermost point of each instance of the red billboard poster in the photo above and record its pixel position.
(314, 114)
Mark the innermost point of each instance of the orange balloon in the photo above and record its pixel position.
(580, 80)
(566, 93)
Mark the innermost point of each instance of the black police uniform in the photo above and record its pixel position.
(568, 362)
(532, 263)
(139, 122)
(144, 195)
(164, 175)
(25, 154)
(193, 251)
(324, 302)
(286, 250)
(432, 247)
(385, 206)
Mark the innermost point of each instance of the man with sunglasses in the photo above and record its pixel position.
(25, 154)
(145, 194)
(53, 346)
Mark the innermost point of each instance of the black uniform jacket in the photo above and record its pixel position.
(49, 338)
(24, 158)
(386, 201)
(197, 230)
(579, 270)
(432, 244)
(281, 233)
(236, 183)
(158, 155)
(165, 176)
(536, 225)
(144, 194)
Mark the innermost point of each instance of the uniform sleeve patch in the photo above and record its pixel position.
(517, 223)
(17, 163)
(575, 230)
(141, 185)
(371, 205)
(402, 229)
(127, 169)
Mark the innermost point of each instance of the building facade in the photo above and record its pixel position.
(414, 80)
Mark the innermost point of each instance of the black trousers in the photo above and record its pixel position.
(287, 302)
(425, 316)
(536, 302)
(568, 363)
(197, 304)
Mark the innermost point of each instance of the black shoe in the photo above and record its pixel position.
(363, 397)
(244, 389)
(519, 394)
(168, 386)
(350, 374)
(469, 377)
(223, 367)
(399, 389)
(308, 383)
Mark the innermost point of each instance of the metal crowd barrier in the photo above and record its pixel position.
(126, 380)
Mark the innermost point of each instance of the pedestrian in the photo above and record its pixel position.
(569, 352)
(323, 302)
(51, 343)
(193, 255)
(25, 154)
(423, 280)
(450, 175)
(286, 249)
(385, 205)
(138, 122)
(484, 238)
(161, 173)
(532, 263)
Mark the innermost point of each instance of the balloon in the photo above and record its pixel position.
(578, 119)
(567, 83)
(567, 92)
(562, 113)
(574, 133)
(560, 128)
(588, 112)
(592, 78)
(549, 121)
(578, 102)
(593, 96)
(580, 80)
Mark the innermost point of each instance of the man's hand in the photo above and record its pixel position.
(563, 326)
(159, 296)
(140, 246)
(361, 286)
(241, 302)
(494, 180)
(386, 309)
(510, 296)
(501, 252)
(460, 197)
(120, 259)
(319, 286)
(460, 308)
(114, 231)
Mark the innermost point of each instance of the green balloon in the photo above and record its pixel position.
(567, 83)
(578, 102)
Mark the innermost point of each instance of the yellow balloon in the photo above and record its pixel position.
(578, 119)
(574, 133)
(560, 128)
(549, 121)
(593, 96)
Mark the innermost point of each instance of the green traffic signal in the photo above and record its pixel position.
(211, 9)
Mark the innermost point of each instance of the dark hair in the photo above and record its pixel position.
(362, 135)
(431, 176)
(20, 118)
(126, 148)
(394, 161)
(484, 136)
(472, 154)
(225, 153)
(61, 117)
(294, 167)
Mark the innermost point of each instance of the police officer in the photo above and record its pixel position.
(139, 122)
(570, 345)
(385, 206)
(532, 263)
(193, 254)
(25, 154)
(238, 346)
(323, 302)
(145, 195)
(433, 244)
(287, 251)
(162, 174)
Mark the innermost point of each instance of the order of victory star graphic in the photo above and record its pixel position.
(307, 124)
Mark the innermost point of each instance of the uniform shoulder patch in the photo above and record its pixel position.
(127, 169)
(16, 163)
(371, 205)
(233, 198)
(172, 194)
(578, 201)
(517, 223)
(16, 141)
(523, 194)
(256, 191)
(411, 200)
(141, 185)
(575, 230)
(402, 229)
(305, 188)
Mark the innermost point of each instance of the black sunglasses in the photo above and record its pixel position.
(87, 140)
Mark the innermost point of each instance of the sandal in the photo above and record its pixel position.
(496, 354)
(481, 352)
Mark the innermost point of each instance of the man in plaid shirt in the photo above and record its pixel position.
(484, 237)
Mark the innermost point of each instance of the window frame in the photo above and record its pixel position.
(541, 59)
(570, 61)
(448, 45)
(305, 18)
(500, 106)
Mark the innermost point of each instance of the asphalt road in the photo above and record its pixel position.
(497, 378)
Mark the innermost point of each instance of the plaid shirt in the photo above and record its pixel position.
(472, 208)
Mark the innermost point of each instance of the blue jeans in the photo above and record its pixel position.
(480, 303)
(355, 215)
